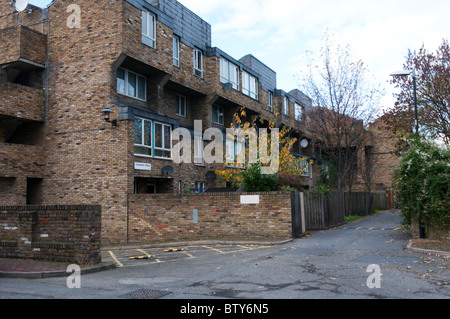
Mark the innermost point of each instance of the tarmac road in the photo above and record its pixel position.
(328, 264)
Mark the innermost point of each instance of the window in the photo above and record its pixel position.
(285, 105)
(200, 187)
(217, 114)
(149, 28)
(298, 112)
(270, 98)
(152, 139)
(181, 105)
(229, 73)
(176, 50)
(143, 133)
(131, 84)
(163, 140)
(249, 85)
(305, 166)
(198, 63)
(235, 152)
(198, 150)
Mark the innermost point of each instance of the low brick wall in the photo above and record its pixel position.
(209, 216)
(55, 233)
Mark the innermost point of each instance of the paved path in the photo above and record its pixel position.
(327, 264)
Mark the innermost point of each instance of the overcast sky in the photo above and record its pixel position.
(279, 32)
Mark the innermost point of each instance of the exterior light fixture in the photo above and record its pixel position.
(413, 74)
(416, 120)
(107, 116)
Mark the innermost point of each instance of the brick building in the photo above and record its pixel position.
(151, 64)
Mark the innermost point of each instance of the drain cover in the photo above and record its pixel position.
(145, 294)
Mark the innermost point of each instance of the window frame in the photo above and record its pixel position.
(247, 81)
(148, 39)
(227, 66)
(220, 114)
(176, 50)
(152, 145)
(199, 148)
(299, 114)
(198, 58)
(180, 98)
(285, 105)
(270, 101)
(126, 84)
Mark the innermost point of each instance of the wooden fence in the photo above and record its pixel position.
(323, 212)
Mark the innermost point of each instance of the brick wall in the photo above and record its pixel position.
(220, 215)
(56, 233)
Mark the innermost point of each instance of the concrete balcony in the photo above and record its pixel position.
(21, 101)
(21, 160)
(22, 45)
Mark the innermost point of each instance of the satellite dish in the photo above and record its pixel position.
(304, 143)
(20, 5)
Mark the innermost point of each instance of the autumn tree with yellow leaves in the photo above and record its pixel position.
(248, 174)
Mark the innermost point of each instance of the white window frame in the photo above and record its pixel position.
(201, 186)
(141, 144)
(235, 152)
(181, 105)
(218, 110)
(249, 85)
(176, 50)
(198, 150)
(305, 163)
(229, 73)
(153, 147)
(285, 105)
(149, 36)
(270, 101)
(298, 111)
(198, 59)
(126, 84)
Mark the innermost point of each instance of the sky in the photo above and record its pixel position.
(280, 32)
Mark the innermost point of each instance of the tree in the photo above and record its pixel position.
(433, 93)
(249, 175)
(343, 103)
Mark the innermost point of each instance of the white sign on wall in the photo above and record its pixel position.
(249, 199)
(143, 166)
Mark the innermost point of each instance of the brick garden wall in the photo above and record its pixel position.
(55, 233)
(220, 216)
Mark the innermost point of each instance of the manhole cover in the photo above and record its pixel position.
(145, 294)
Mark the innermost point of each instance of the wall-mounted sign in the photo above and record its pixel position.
(249, 199)
(143, 166)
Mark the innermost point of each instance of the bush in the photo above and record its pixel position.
(422, 183)
(254, 181)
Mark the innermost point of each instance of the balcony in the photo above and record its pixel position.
(21, 101)
(21, 160)
(22, 45)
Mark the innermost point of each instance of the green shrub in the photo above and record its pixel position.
(254, 181)
(422, 183)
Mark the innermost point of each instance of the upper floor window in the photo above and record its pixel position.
(249, 85)
(270, 101)
(298, 112)
(198, 62)
(149, 28)
(181, 105)
(229, 73)
(217, 114)
(131, 84)
(285, 105)
(176, 50)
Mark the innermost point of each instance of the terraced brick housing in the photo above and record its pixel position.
(148, 66)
